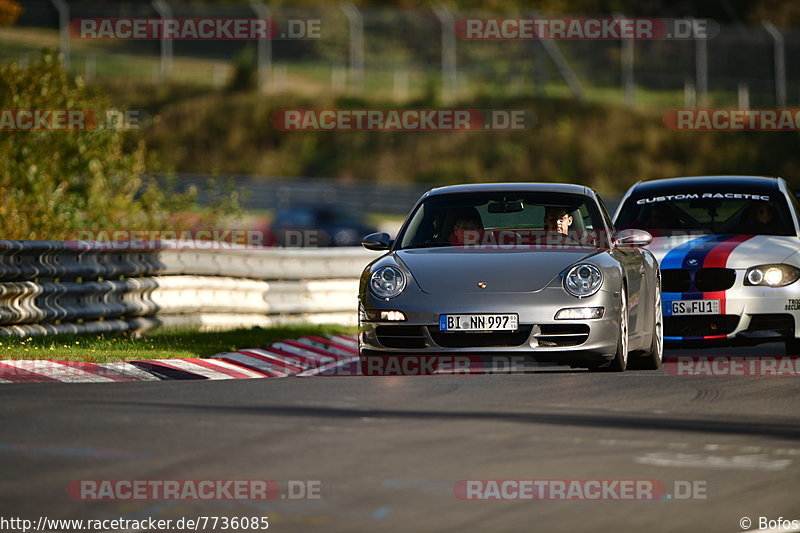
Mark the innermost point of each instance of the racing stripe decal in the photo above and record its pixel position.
(678, 258)
(718, 258)
(704, 252)
(695, 258)
(675, 257)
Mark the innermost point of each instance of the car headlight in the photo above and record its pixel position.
(583, 280)
(772, 275)
(387, 282)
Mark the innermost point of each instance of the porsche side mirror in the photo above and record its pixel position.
(632, 238)
(377, 241)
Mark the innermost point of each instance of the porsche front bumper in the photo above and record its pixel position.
(540, 337)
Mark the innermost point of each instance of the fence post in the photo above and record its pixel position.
(400, 84)
(449, 74)
(626, 64)
(264, 48)
(356, 28)
(90, 68)
(743, 96)
(780, 63)
(538, 71)
(165, 12)
(338, 79)
(701, 70)
(689, 94)
(63, 30)
(562, 65)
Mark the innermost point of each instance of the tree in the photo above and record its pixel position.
(56, 182)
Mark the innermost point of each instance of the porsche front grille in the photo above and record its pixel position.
(562, 335)
(480, 340)
(401, 336)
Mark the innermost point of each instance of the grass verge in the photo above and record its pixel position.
(158, 345)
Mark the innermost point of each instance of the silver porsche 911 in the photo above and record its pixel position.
(513, 269)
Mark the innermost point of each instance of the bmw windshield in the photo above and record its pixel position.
(669, 212)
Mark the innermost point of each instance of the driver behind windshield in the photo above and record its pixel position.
(557, 219)
(468, 226)
(758, 219)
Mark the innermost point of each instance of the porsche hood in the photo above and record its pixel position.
(450, 270)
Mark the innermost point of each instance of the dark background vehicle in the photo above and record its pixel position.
(311, 225)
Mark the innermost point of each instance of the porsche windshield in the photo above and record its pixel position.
(505, 219)
(668, 213)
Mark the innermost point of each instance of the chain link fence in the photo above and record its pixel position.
(410, 53)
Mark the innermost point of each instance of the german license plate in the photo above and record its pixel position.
(695, 307)
(504, 322)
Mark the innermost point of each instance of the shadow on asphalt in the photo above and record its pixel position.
(789, 430)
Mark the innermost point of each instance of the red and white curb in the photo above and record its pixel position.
(70, 372)
(196, 369)
(306, 356)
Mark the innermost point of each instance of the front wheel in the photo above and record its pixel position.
(620, 361)
(653, 358)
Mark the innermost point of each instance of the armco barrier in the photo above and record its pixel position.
(61, 287)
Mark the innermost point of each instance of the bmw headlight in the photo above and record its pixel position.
(772, 275)
(583, 280)
(387, 282)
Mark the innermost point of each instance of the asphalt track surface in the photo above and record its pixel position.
(388, 451)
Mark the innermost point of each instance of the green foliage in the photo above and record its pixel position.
(52, 182)
(161, 344)
(780, 12)
(604, 146)
(245, 70)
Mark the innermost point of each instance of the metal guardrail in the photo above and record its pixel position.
(268, 193)
(62, 260)
(60, 287)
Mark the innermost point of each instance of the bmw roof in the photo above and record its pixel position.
(731, 183)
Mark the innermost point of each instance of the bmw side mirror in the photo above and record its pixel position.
(377, 241)
(632, 238)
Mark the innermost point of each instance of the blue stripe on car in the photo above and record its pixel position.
(678, 258)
